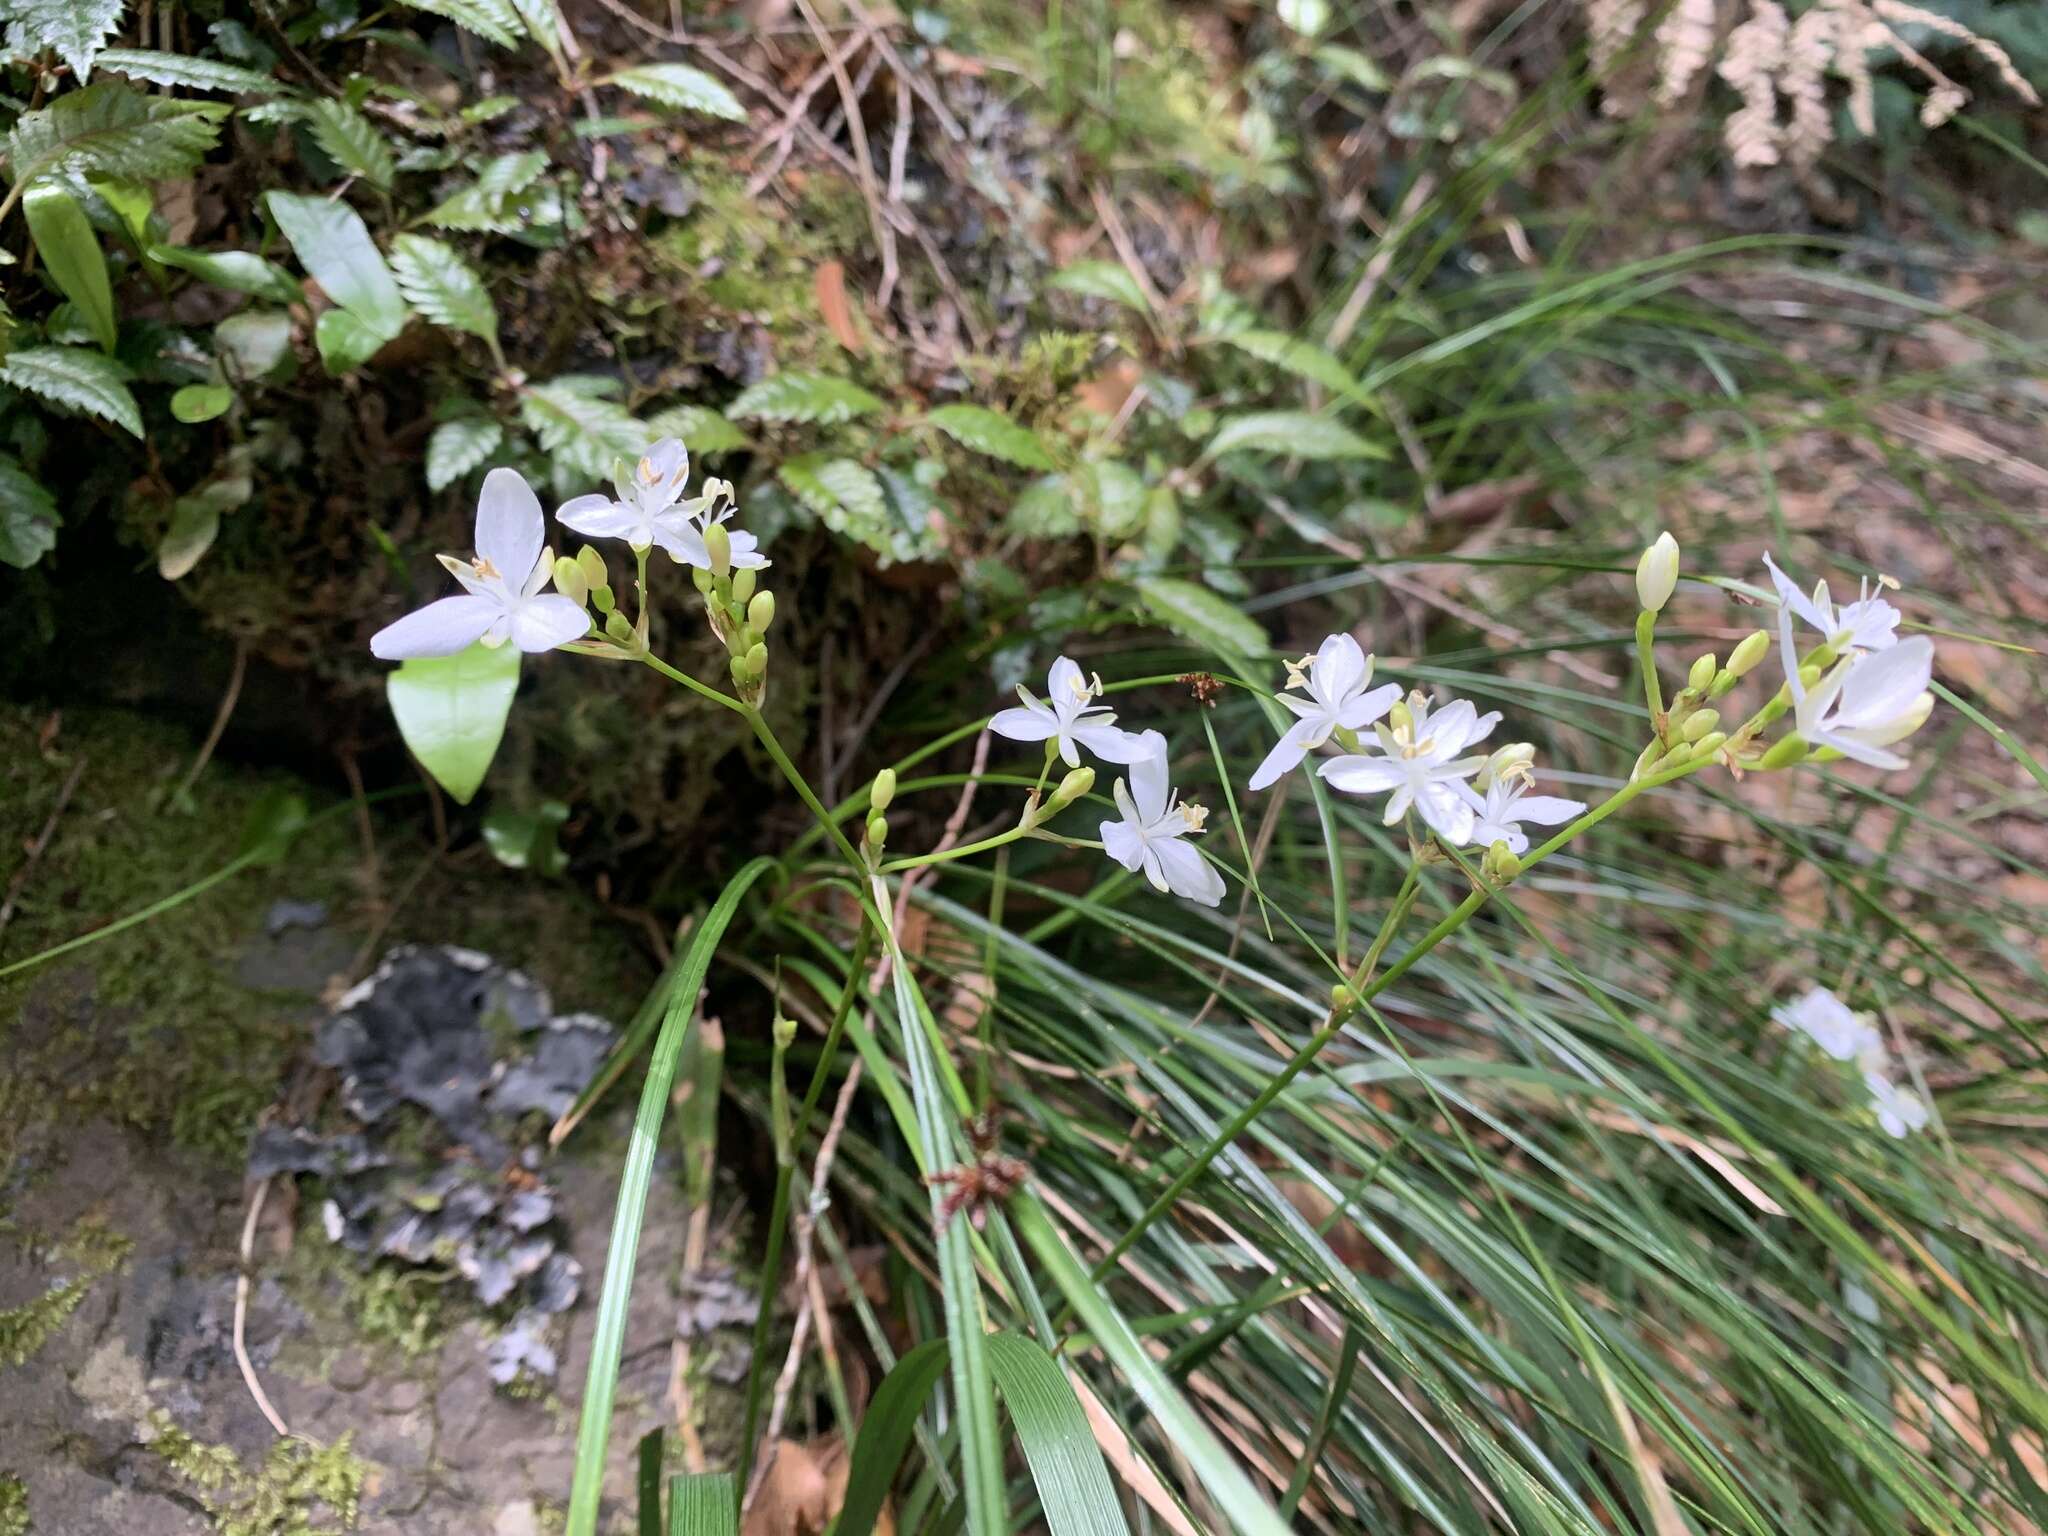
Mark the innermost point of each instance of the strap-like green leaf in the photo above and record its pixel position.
(885, 1432)
(71, 255)
(705, 1504)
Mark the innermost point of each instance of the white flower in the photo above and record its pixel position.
(1149, 836)
(1865, 702)
(649, 510)
(1864, 625)
(1505, 802)
(1657, 573)
(502, 597)
(1066, 717)
(1828, 1022)
(1899, 1110)
(1335, 678)
(1418, 762)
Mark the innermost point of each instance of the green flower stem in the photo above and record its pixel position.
(691, 683)
(1646, 657)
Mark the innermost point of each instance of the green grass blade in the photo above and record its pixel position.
(885, 1433)
(1074, 1488)
(706, 1504)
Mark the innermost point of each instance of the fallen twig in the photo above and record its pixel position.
(35, 849)
(242, 1359)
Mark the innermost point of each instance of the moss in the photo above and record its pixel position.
(13, 1506)
(89, 1254)
(300, 1488)
(398, 1309)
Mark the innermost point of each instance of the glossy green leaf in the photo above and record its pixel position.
(28, 515)
(812, 397)
(111, 129)
(1304, 359)
(451, 710)
(1198, 615)
(72, 29)
(72, 376)
(238, 271)
(352, 142)
(992, 433)
(493, 20)
(253, 343)
(274, 819)
(703, 1504)
(193, 74)
(703, 429)
(70, 251)
(885, 1431)
(201, 402)
(527, 839)
(1101, 280)
(345, 340)
(335, 246)
(442, 286)
(584, 431)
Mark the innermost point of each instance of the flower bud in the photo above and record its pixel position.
(1752, 649)
(738, 667)
(1071, 788)
(601, 596)
(1401, 717)
(757, 663)
(1701, 677)
(1506, 763)
(1499, 863)
(618, 629)
(1809, 676)
(784, 1031)
(884, 790)
(878, 830)
(701, 579)
(1700, 723)
(761, 612)
(1707, 745)
(1908, 721)
(569, 580)
(742, 585)
(595, 573)
(1646, 761)
(1657, 574)
(719, 545)
(1784, 753)
(1342, 1000)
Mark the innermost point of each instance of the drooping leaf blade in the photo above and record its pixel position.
(110, 129)
(238, 271)
(451, 710)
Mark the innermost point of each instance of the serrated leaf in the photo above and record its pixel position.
(335, 246)
(848, 499)
(193, 74)
(542, 23)
(1198, 615)
(442, 286)
(1113, 498)
(71, 255)
(74, 29)
(238, 271)
(1350, 64)
(1298, 434)
(451, 710)
(493, 20)
(992, 433)
(1303, 359)
(583, 431)
(459, 446)
(494, 201)
(28, 515)
(1101, 280)
(109, 129)
(351, 141)
(810, 397)
(703, 429)
(76, 377)
(680, 86)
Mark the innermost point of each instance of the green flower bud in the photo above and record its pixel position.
(884, 790)
(1071, 788)
(1657, 574)
(1701, 677)
(701, 578)
(785, 1033)
(757, 663)
(1707, 745)
(1499, 863)
(878, 830)
(569, 580)
(601, 595)
(615, 625)
(719, 543)
(742, 585)
(1752, 649)
(1784, 753)
(1400, 717)
(595, 574)
(1700, 723)
(1341, 999)
(1809, 676)
(761, 612)
(1645, 762)
(738, 668)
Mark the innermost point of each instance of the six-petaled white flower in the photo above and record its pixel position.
(1828, 1022)
(1899, 1110)
(1864, 625)
(1505, 802)
(1336, 678)
(1149, 836)
(649, 510)
(1864, 703)
(1419, 764)
(1069, 716)
(502, 595)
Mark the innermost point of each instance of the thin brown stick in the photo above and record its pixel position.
(35, 849)
(1376, 265)
(242, 1359)
(905, 74)
(779, 139)
(863, 162)
(373, 884)
(220, 720)
(1126, 249)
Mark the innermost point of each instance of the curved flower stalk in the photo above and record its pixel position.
(648, 510)
(504, 590)
(1419, 764)
(1868, 624)
(1069, 717)
(1149, 836)
(1336, 680)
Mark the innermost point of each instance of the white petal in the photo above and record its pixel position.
(439, 629)
(1287, 753)
(1398, 803)
(1149, 787)
(1360, 712)
(1021, 724)
(510, 529)
(683, 542)
(1187, 872)
(1446, 812)
(1790, 598)
(1339, 669)
(1062, 683)
(1361, 775)
(1870, 623)
(668, 468)
(746, 551)
(1882, 686)
(1302, 708)
(1856, 749)
(1115, 745)
(542, 623)
(597, 516)
(1155, 871)
(1121, 842)
(1545, 810)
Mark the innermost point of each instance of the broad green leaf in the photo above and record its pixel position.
(275, 817)
(1303, 359)
(442, 286)
(703, 1504)
(254, 342)
(28, 515)
(71, 255)
(110, 129)
(237, 271)
(201, 402)
(810, 397)
(885, 1431)
(195, 524)
(451, 710)
(1101, 280)
(1112, 498)
(527, 839)
(583, 431)
(194, 74)
(543, 23)
(678, 85)
(351, 141)
(459, 446)
(75, 377)
(73, 29)
(335, 246)
(493, 20)
(703, 429)
(345, 340)
(1198, 615)
(1296, 434)
(1045, 510)
(992, 433)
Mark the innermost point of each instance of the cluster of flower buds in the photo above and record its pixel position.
(881, 794)
(740, 612)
